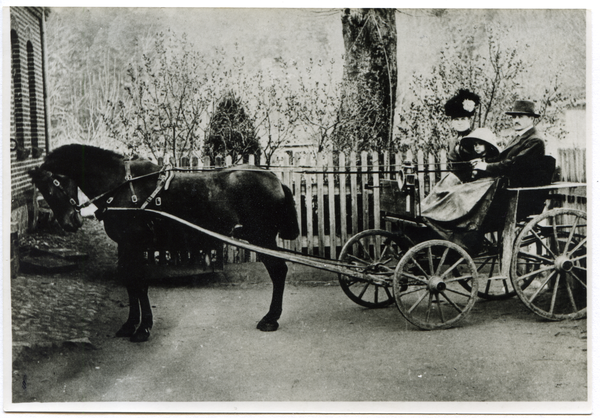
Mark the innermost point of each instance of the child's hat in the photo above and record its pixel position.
(485, 135)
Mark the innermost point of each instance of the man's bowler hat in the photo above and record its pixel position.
(523, 107)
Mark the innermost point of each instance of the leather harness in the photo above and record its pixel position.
(165, 175)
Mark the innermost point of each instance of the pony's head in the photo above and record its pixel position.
(61, 194)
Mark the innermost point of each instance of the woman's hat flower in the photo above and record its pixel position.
(469, 105)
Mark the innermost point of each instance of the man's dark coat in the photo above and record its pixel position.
(522, 162)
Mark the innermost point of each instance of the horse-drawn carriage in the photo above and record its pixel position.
(433, 272)
(541, 257)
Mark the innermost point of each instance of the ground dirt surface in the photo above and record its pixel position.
(205, 346)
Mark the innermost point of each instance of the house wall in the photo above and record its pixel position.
(28, 144)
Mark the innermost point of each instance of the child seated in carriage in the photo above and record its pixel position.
(455, 195)
(476, 146)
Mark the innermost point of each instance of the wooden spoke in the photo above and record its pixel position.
(364, 290)
(449, 269)
(451, 302)
(554, 292)
(442, 260)
(578, 246)
(418, 302)
(440, 310)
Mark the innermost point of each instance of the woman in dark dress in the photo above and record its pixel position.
(461, 109)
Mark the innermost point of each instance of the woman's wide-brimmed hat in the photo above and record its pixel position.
(463, 104)
(484, 135)
(523, 107)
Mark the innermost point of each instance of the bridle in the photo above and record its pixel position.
(49, 176)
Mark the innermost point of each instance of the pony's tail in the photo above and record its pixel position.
(288, 227)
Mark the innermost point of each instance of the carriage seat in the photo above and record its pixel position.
(532, 202)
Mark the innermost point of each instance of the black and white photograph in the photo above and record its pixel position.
(316, 210)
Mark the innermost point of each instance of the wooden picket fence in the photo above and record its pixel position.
(338, 195)
(572, 164)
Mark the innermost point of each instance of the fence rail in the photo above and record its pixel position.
(338, 195)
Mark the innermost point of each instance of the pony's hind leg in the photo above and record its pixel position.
(143, 332)
(277, 270)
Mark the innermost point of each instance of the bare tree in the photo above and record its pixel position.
(485, 62)
(370, 78)
(165, 101)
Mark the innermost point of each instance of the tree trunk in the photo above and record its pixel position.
(370, 79)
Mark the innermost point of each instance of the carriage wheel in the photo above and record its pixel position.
(430, 281)
(376, 252)
(551, 254)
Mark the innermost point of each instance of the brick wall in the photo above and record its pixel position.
(27, 116)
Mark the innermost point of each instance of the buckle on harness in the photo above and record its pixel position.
(158, 201)
(134, 199)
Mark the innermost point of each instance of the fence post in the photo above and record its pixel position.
(421, 175)
(321, 204)
(331, 201)
(364, 167)
(376, 207)
(354, 192)
(432, 170)
(308, 199)
(343, 214)
(297, 191)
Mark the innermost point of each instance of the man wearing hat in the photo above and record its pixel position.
(522, 159)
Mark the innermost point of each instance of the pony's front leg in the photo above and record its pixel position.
(129, 327)
(277, 270)
(132, 274)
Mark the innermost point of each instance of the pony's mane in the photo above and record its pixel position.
(76, 151)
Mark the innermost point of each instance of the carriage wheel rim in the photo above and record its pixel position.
(560, 265)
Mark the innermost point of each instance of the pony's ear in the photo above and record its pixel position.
(37, 174)
(34, 173)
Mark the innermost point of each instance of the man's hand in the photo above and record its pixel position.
(479, 164)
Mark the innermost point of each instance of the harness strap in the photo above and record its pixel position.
(129, 177)
(170, 175)
(163, 180)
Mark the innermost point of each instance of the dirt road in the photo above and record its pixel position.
(206, 352)
(205, 348)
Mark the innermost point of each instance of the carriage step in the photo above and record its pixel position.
(66, 253)
(46, 264)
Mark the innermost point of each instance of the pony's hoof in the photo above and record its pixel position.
(127, 330)
(267, 326)
(140, 336)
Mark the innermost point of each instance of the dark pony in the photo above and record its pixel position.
(246, 202)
